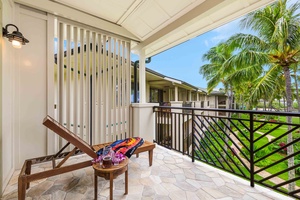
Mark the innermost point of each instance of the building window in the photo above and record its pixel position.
(202, 104)
(156, 95)
(207, 103)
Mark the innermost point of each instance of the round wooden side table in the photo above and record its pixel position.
(110, 174)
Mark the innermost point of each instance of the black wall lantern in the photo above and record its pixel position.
(16, 37)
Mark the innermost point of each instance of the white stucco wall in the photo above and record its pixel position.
(23, 90)
(30, 87)
(7, 77)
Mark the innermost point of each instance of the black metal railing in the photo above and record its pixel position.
(260, 146)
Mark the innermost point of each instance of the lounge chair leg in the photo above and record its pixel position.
(21, 188)
(28, 171)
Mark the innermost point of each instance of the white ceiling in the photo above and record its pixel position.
(156, 25)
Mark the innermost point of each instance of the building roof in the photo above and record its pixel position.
(160, 80)
(217, 93)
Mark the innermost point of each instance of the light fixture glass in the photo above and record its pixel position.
(16, 44)
(16, 37)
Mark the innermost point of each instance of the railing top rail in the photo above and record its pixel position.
(296, 114)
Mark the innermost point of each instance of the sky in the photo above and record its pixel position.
(183, 61)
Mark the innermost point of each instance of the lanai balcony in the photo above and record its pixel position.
(172, 176)
(193, 159)
(33, 87)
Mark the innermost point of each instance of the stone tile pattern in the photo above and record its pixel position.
(172, 176)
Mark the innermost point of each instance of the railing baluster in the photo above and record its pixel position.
(251, 151)
(179, 131)
(182, 133)
(193, 135)
(171, 125)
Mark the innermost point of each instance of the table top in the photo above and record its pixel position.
(122, 164)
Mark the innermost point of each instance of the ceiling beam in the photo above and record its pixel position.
(183, 20)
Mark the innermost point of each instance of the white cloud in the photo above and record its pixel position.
(225, 31)
(217, 39)
(206, 42)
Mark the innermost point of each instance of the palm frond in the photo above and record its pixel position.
(242, 40)
(249, 58)
(245, 74)
(208, 70)
(264, 85)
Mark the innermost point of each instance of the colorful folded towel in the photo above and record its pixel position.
(126, 146)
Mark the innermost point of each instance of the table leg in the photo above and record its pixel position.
(111, 180)
(95, 186)
(150, 152)
(126, 181)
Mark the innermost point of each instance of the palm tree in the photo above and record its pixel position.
(216, 72)
(275, 48)
(296, 77)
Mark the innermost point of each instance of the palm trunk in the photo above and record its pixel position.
(290, 148)
(241, 104)
(227, 131)
(284, 105)
(270, 105)
(297, 91)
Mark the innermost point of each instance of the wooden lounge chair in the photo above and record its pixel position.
(81, 146)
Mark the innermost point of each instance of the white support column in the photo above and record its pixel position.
(197, 96)
(142, 77)
(190, 95)
(176, 93)
(142, 115)
(143, 120)
(147, 93)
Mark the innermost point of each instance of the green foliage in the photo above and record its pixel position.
(297, 170)
(211, 147)
(295, 105)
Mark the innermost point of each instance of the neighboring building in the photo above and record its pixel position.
(168, 91)
(174, 92)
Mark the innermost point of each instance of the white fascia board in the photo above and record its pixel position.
(172, 80)
(78, 16)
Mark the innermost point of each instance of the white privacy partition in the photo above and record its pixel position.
(92, 83)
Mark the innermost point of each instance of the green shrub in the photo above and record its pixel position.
(297, 170)
(263, 163)
(295, 105)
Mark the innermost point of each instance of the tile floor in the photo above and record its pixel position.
(172, 176)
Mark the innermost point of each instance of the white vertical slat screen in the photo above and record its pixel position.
(109, 86)
(76, 86)
(92, 80)
(93, 84)
(81, 101)
(68, 84)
